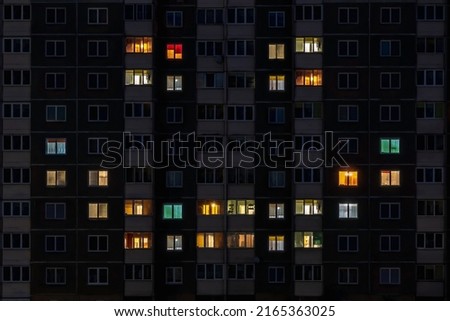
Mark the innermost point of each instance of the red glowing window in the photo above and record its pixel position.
(174, 51)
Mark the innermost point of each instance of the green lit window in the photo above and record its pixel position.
(172, 211)
(390, 146)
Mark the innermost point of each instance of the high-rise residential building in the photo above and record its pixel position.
(90, 89)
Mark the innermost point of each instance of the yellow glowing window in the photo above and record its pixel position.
(56, 178)
(137, 207)
(276, 82)
(174, 51)
(98, 210)
(138, 45)
(134, 240)
(210, 240)
(348, 178)
(98, 178)
(308, 77)
(240, 240)
(390, 178)
(308, 240)
(276, 51)
(209, 208)
(276, 243)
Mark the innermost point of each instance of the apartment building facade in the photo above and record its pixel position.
(87, 84)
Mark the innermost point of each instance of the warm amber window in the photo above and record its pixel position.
(174, 51)
(390, 178)
(210, 240)
(348, 178)
(308, 77)
(139, 45)
(133, 240)
(209, 208)
(276, 51)
(137, 207)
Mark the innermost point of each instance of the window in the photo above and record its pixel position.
(55, 48)
(16, 274)
(16, 12)
(210, 48)
(308, 12)
(97, 16)
(209, 16)
(139, 45)
(308, 207)
(56, 178)
(430, 240)
(351, 145)
(390, 80)
(16, 142)
(55, 243)
(55, 80)
(241, 80)
(138, 77)
(240, 240)
(55, 211)
(306, 77)
(430, 272)
(348, 113)
(174, 275)
(16, 77)
(390, 178)
(275, 274)
(16, 110)
(210, 240)
(389, 146)
(174, 51)
(347, 243)
(241, 207)
(308, 175)
(430, 44)
(55, 276)
(210, 175)
(430, 142)
(389, 113)
(97, 48)
(16, 45)
(174, 83)
(210, 112)
(16, 208)
(348, 80)
(138, 207)
(97, 243)
(429, 110)
(138, 109)
(430, 207)
(97, 211)
(174, 243)
(55, 146)
(389, 211)
(277, 82)
(55, 113)
(308, 240)
(389, 243)
(16, 241)
(138, 12)
(211, 79)
(16, 175)
(430, 12)
(174, 179)
(429, 175)
(308, 272)
(55, 16)
(276, 19)
(276, 210)
(137, 240)
(241, 271)
(430, 77)
(210, 208)
(389, 15)
(389, 275)
(277, 179)
(348, 210)
(276, 243)
(241, 113)
(98, 276)
(347, 275)
(98, 178)
(95, 145)
(348, 48)
(97, 81)
(308, 110)
(308, 44)
(241, 15)
(174, 19)
(390, 48)
(138, 272)
(210, 272)
(172, 211)
(239, 175)
(276, 51)
(348, 15)
(240, 48)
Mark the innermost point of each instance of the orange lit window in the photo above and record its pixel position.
(210, 240)
(209, 207)
(139, 45)
(174, 51)
(308, 77)
(137, 207)
(348, 178)
(136, 240)
(390, 178)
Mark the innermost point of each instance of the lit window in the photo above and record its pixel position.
(98, 210)
(172, 211)
(276, 82)
(308, 44)
(276, 210)
(348, 210)
(174, 83)
(174, 242)
(98, 178)
(137, 207)
(174, 51)
(133, 240)
(276, 243)
(209, 208)
(242, 207)
(390, 178)
(311, 77)
(308, 240)
(55, 146)
(276, 51)
(138, 77)
(308, 207)
(210, 240)
(240, 240)
(56, 178)
(389, 146)
(139, 45)
(348, 178)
